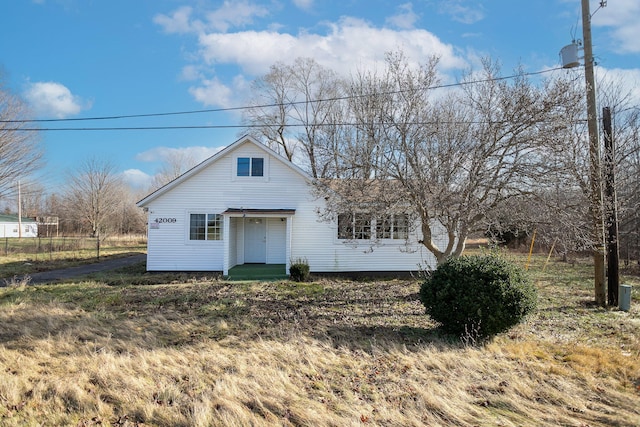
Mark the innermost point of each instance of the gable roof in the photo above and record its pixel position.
(14, 219)
(211, 160)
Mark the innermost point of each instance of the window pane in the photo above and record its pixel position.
(345, 226)
(197, 227)
(214, 227)
(362, 227)
(401, 226)
(257, 165)
(243, 166)
(383, 228)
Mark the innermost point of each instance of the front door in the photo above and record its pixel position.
(255, 240)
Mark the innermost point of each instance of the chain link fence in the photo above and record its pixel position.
(43, 248)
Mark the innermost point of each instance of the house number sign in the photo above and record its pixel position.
(166, 220)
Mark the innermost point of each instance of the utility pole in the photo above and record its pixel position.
(611, 209)
(19, 212)
(594, 160)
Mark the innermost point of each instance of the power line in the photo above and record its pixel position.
(229, 109)
(192, 127)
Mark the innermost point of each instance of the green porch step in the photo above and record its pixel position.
(258, 272)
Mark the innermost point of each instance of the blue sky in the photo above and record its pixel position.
(73, 59)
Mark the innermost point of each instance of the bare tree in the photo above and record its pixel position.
(448, 161)
(293, 109)
(565, 215)
(130, 219)
(33, 195)
(94, 195)
(175, 164)
(20, 151)
(267, 120)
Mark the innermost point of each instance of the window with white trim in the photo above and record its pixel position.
(250, 166)
(392, 227)
(361, 226)
(345, 226)
(205, 226)
(354, 226)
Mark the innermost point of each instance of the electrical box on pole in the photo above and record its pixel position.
(569, 56)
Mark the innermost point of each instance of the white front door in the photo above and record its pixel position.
(255, 240)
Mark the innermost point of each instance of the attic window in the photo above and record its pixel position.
(250, 166)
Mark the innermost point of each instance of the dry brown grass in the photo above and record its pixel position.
(327, 353)
(30, 255)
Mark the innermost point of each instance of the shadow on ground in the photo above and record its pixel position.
(356, 315)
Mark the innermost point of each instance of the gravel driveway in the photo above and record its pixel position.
(82, 270)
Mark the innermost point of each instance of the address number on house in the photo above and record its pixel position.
(166, 220)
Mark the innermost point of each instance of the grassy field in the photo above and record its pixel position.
(134, 349)
(30, 255)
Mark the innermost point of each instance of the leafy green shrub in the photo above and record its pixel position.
(299, 270)
(480, 295)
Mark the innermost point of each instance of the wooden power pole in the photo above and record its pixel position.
(19, 212)
(594, 160)
(611, 209)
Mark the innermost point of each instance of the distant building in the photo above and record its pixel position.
(48, 226)
(9, 225)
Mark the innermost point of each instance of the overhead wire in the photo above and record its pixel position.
(246, 126)
(229, 109)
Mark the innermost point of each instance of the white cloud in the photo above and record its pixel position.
(348, 43)
(230, 14)
(342, 46)
(178, 22)
(137, 179)
(190, 73)
(234, 14)
(213, 92)
(303, 4)
(54, 100)
(464, 11)
(162, 154)
(405, 19)
(622, 17)
(627, 79)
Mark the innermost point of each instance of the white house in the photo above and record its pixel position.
(247, 204)
(9, 226)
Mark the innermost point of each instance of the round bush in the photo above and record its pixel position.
(299, 270)
(478, 296)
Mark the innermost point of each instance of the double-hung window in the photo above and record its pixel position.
(361, 226)
(205, 226)
(392, 227)
(401, 226)
(384, 227)
(345, 226)
(250, 166)
(354, 226)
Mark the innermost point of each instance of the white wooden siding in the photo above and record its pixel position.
(317, 241)
(10, 229)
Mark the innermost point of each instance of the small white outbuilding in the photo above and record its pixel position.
(10, 226)
(247, 204)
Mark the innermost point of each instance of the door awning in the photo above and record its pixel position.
(259, 212)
